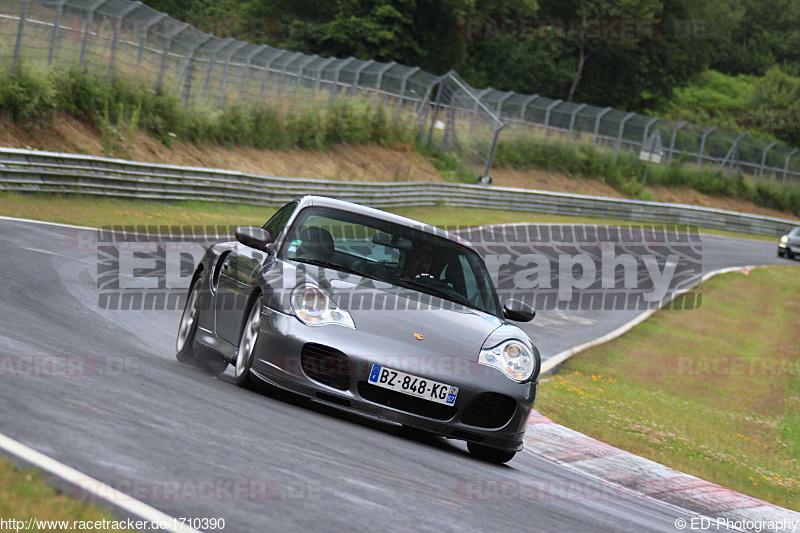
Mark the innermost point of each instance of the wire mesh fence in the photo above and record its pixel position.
(124, 38)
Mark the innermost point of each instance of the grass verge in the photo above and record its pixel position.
(714, 392)
(25, 495)
(97, 212)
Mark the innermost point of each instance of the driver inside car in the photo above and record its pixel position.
(418, 263)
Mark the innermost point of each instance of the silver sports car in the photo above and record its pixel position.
(363, 309)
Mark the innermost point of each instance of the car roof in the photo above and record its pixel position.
(325, 201)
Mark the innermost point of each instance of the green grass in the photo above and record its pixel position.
(97, 212)
(714, 392)
(25, 495)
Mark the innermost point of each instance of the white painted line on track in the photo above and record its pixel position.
(44, 222)
(89, 486)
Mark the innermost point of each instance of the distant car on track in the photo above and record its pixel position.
(789, 244)
(363, 309)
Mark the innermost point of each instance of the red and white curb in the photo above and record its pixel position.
(580, 453)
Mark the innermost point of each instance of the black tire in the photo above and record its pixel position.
(247, 344)
(492, 455)
(184, 345)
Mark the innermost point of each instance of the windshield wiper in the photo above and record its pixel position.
(434, 292)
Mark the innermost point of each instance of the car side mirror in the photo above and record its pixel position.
(518, 311)
(254, 238)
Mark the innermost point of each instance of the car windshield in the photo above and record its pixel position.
(395, 253)
(795, 232)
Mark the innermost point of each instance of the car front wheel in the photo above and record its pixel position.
(244, 355)
(184, 347)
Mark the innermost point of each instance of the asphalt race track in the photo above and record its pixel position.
(135, 418)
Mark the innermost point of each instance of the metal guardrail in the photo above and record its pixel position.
(35, 171)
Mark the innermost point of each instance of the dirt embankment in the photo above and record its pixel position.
(354, 163)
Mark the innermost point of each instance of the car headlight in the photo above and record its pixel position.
(512, 357)
(784, 239)
(314, 307)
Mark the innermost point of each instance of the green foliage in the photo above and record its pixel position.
(127, 107)
(450, 165)
(27, 91)
(626, 172)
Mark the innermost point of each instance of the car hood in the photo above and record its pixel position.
(458, 331)
(424, 324)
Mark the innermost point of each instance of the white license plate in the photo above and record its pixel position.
(413, 385)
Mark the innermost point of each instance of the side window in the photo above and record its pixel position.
(279, 220)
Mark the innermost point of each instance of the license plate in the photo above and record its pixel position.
(413, 385)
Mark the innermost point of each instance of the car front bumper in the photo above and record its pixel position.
(490, 408)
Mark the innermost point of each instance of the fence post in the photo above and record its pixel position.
(188, 70)
(357, 79)
(575, 114)
(211, 61)
(87, 31)
(54, 37)
(435, 112)
(764, 159)
(23, 17)
(404, 84)
(300, 71)
(524, 108)
(248, 66)
(228, 59)
(488, 166)
(343, 64)
(319, 73)
(596, 132)
(647, 128)
(379, 81)
(282, 80)
(619, 134)
(143, 41)
(786, 166)
(731, 152)
(703, 147)
(672, 142)
(547, 116)
(115, 42)
(167, 50)
(572, 121)
(502, 101)
(267, 68)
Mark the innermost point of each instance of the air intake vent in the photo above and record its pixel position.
(326, 365)
(489, 410)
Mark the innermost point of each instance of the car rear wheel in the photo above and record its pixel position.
(492, 455)
(184, 347)
(244, 355)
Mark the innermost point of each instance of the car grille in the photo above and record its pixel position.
(404, 402)
(489, 410)
(326, 365)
